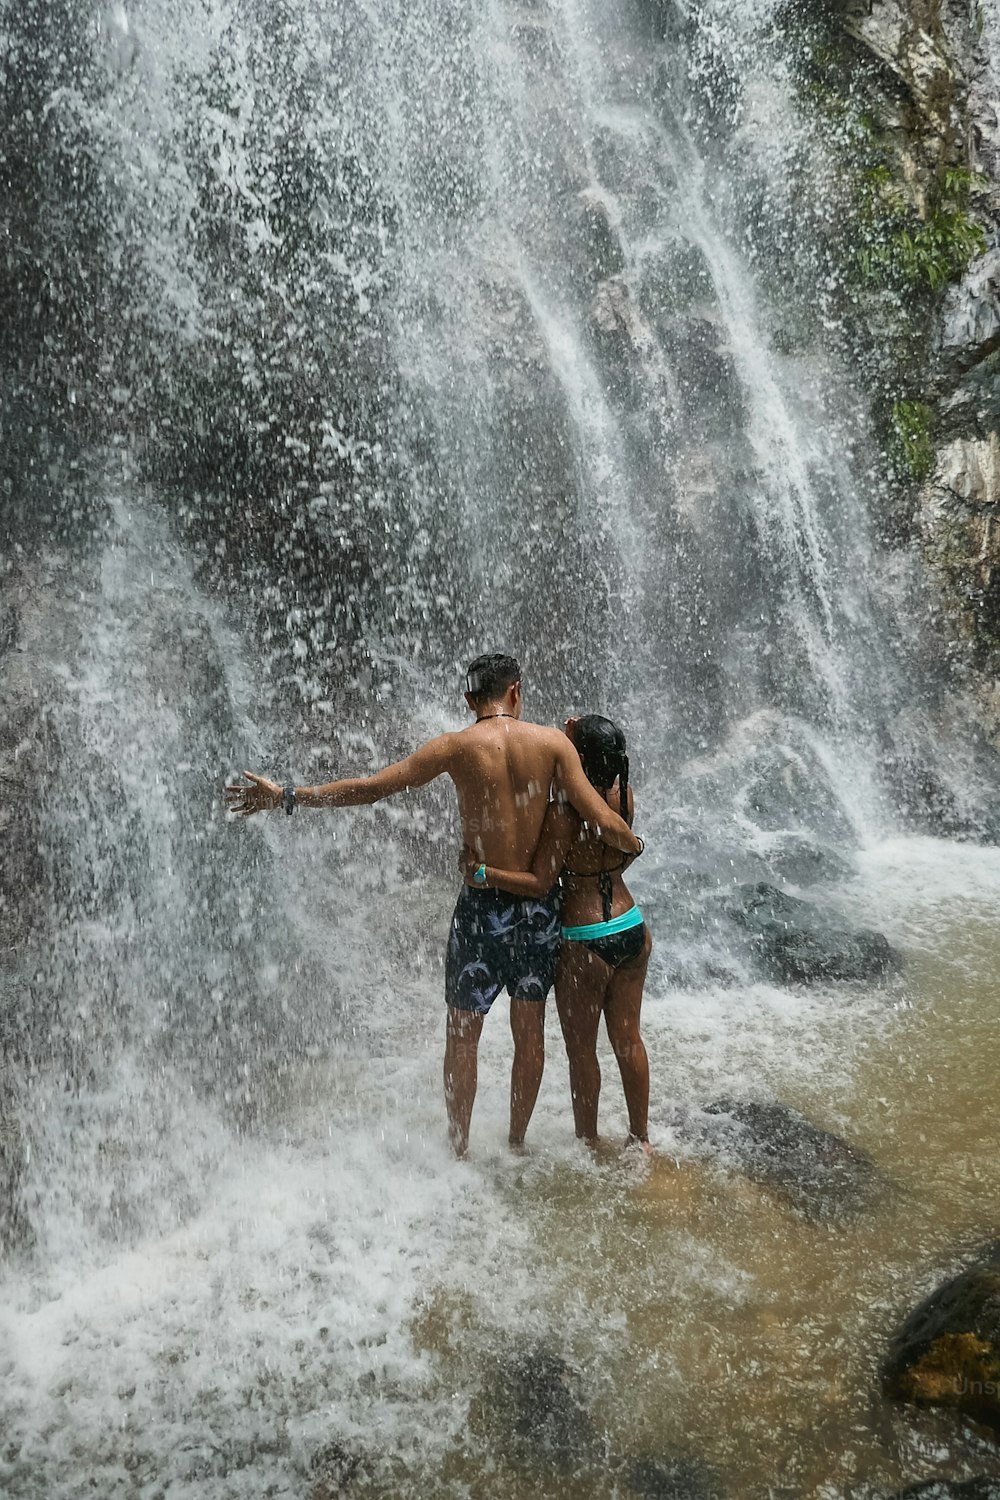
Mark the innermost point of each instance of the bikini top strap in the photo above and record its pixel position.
(604, 885)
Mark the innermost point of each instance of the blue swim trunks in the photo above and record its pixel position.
(497, 939)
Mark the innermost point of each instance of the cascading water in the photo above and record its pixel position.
(400, 332)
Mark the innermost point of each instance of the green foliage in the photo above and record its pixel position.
(903, 251)
(911, 446)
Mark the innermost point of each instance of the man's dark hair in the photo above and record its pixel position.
(489, 677)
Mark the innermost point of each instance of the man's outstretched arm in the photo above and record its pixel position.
(571, 781)
(417, 769)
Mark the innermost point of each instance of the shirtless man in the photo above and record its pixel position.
(504, 771)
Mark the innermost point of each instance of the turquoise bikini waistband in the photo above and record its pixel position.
(630, 918)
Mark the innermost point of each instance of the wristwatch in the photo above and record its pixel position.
(479, 875)
(288, 799)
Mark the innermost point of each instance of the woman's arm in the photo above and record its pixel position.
(558, 832)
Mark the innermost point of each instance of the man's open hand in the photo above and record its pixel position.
(468, 859)
(259, 796)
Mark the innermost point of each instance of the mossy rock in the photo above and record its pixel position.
(947, 1352)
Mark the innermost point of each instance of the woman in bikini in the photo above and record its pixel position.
(606, 945)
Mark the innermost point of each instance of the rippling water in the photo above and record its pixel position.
(345, 1279)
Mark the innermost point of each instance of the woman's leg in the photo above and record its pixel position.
(621, 1011)
(581, 980)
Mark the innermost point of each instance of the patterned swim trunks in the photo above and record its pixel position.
(497, 939)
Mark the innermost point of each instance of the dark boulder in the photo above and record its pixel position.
(947, 1352)
(796, 942)
(653, 1477)
(538, 1397)
(802, 862)
(818, 1173)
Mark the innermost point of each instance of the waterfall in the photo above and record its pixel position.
(350, 338)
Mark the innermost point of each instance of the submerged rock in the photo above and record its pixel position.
(539, 1399)
(796, 942)
(335, 1467)
(674, 1478)
(947, 1352)
(818, 1173)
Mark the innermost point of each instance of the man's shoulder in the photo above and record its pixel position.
(544, 733)
(545, 742)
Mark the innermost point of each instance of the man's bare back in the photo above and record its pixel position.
(504, 773)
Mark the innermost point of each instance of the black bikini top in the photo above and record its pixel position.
(603, 878)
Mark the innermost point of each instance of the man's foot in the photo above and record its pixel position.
(640, 1141)
(517, 1146)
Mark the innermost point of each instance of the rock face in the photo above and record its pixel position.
(947, 1352)
(960, 527)
(818, 1173)
(797, 943)
(948, 122)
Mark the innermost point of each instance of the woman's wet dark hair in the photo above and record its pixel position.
(600, 745)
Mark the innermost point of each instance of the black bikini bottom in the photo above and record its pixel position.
(618, 949)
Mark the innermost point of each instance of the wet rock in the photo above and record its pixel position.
(796, 942)
(818, 1173)
(947, 1352)
(539, 1397)
(697, 344)
(789, 792)
(14, 1228)
(970, 319)
(335, 1467)
(600, 234)
(952, 1489)
(802, 862)
(612, 310)
(768, 770)
(681, 1478)
(961, 541)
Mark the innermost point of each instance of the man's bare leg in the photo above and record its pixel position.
(461, 1058)
(527, 1025)
(581, 981)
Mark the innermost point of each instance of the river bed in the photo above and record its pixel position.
(344, 1279)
